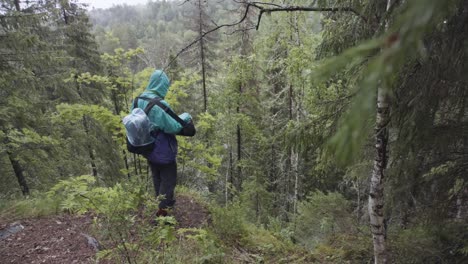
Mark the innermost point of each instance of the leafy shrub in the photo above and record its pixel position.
(126, 225)
(321, 217)
(36, 205)
(325, 225)
(229, 223)
(203, 246)
(280, 229)
(115, 209)
(429, 244)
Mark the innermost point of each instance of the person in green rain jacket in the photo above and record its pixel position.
(163, 157)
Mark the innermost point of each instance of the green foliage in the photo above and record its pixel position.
(426, 244)
(75, 113)
(202, 244)
(282, 128)
(80, 195)
(325, 225)
(397, 46)
(321, 217)
(200, 157)
(229, 222)
(36, 205)
(116, 214)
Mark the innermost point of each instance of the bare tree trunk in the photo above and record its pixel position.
(226, 188)
(86, 129)
(376, 192)
(135, 166)
(19, 174)
(295, 167)
(16, 166)
(239, 144)
(140, 170)
(125, 158)
(90, 149)
(202, 54)
(126, 163)
(231, 167)
(290, 170)
(17, 5)
(290, 102)
(376, 188)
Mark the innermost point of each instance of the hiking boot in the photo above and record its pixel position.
(161, 213)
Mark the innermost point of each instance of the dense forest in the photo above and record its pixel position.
(327, 131)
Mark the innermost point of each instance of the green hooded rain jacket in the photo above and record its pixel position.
(158, 86)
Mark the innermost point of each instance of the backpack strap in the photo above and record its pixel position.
(135, 102)
(157, 101)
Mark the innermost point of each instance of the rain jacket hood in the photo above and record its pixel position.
(158, 84)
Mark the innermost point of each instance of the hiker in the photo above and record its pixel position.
(165, 125)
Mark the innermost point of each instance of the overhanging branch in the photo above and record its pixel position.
(262, 9)
(306, 9)
(208, 32)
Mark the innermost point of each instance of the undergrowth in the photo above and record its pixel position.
(128, 231)
(35, 205)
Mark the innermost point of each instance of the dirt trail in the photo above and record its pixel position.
(65, 238)
(189, 213)
(57, 239)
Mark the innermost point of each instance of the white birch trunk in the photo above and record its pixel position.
(376, 189)
(376, 192)
(295, 167)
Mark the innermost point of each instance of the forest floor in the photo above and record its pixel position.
(66, 238)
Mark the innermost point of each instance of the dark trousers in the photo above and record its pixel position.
(164, 180)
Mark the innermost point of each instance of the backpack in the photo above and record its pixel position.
(141, 139)
(140, 136)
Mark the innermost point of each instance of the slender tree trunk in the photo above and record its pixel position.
(90, 149)
(86, 129)
(140, 170)
(231, 167)
(239, 144)
(295, 166)
(239, 158)
(358, 211)
(290, 170)
(376, 192)
(290, 103)
(117, 111)
(226, 193)
(376, 189)
(16, 167)
(202, 54)
(257, 205)
(19, 174)
(65, 16)
(126, 163)
(135, 163)
(17, 5)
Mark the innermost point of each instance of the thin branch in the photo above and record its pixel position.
(183, 3)
(307, 9)
(208, 32)
(22, 15)
(240, 30)
(275, 8)
(267, 4)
